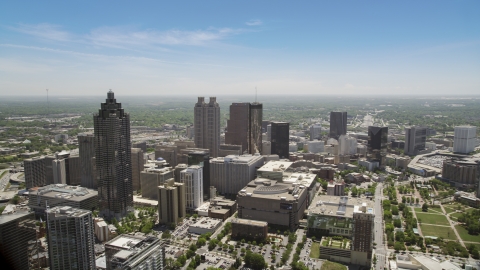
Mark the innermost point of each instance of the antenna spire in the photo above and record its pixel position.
(255, 94)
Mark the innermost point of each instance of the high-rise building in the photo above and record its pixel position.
(280, 135)
(231, 173)
(152, 178)
(137, 166)
(86, 148)
(15, 233)
(171, 202)
(113, 159)
(315, 132)
(193, 182)
(415, 138)
(70, 238)
(207, 125)
(35, 175)
(245, 126)
(338, 124)
(59, 174)
(464, 140)
(377, 144)
(200, 157)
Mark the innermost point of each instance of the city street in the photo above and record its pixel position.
(381, 250)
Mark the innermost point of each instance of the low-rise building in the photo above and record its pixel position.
(205, 225)
(250, 229)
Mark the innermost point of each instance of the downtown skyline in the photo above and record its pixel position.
(210, 48)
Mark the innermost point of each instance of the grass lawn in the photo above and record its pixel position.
(445, 232)
(430, 210)
(449, 210)
(465, 236)
(326, 265)
(432, 219)
(456, 215)
(315, 250)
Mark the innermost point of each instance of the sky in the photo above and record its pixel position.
(234, 47)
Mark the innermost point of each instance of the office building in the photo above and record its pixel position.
(70, 238)
(200, 157)
(415, 138)
(377, 144)
(137, 166)
(35, 174)
(205, 225)
(231, 173)
(151, 178)
(59, 174)
(207, 125)
(66, 169)
(16, 231)
(338, 124)
(171, 202)
(249, 229)
(229, 149)
(280, 135)
(461, 173)
(278, 195)
(192, 179)
(86, 149)
(353, 219)
(135, 253)
(465, 139)
(347, 145)
(336, 188)
(168, 152)
(113, 159)
(62, 195)
(245, 127)
(141, 145)
(315, 132)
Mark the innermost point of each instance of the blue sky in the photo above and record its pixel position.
(231, 47)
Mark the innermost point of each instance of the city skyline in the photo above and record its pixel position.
(314, 48)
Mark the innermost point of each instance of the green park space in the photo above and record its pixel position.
(455, 215)
(430, 210)
(465, 236)
(315, 250)
(326, 265)
(437, 231)
(434, 219)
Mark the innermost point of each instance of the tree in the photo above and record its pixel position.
(254, 261)
(425, 207)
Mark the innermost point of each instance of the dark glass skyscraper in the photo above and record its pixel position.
(377, 143)
(245, 126)
(338, 124)
(113, 159)
(280, 139)
(206, 123)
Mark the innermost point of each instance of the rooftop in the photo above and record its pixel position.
(125, 241)
(249, 222)
(13, 216)
(73, 193)
(66, 211)
(340, 206)
(206, 223)
(236, 159)
(275, 166)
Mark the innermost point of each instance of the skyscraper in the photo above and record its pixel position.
(192, 178)
(464, 139)
(377, 143)
(280, 139)
(113, 159)
(315, 132)
(207, 125)
(137, 167)
(415, 138)
(245, 126)
(86, 148)
(70, 238)
(35, 172)
(338, 124)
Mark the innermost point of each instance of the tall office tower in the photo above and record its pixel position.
(315, 132)
(59, 174)
(231, 173)
(34, 172)
(168, 153)
(16, 231)
(265, 123)
(137, 167)
(73, 170)
(200, 157)
(280, 139)
(70, 238)
(49, 169)
(113, 159)
(141, 145)
(377, 143)
(338, 124)
(86, 148)
(207, 125)
(192, 179)
(269, 132)
(415, 138)
(151, 178)
(245, 126)
(171, 202)
(464, 139)
(363, 235)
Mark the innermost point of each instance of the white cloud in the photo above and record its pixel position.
(44, 31)
(349, 86)
(254, 23)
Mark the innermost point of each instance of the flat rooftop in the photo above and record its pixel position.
(206, 223)
(340, 206)
(249, 222)
(11, 217)
(71, 193)
(275, 166)
(236, 159)
(125, 241)
(66, 211)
